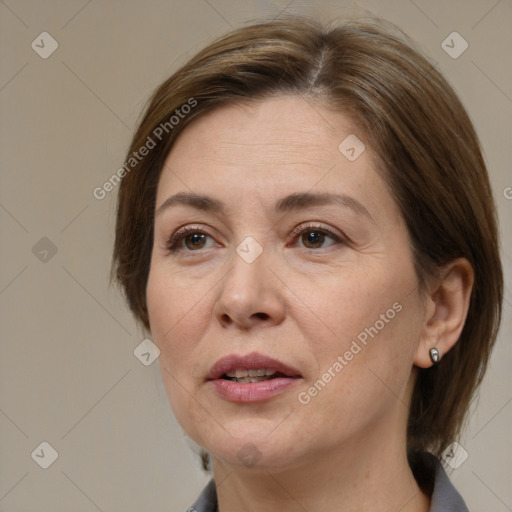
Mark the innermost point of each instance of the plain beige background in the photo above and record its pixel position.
(69, 376)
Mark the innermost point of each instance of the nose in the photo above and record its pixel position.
(250, 295)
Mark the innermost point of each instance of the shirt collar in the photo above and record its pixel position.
(445, 497)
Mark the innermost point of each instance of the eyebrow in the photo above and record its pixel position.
(292, 202)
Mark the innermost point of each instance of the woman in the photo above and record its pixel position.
(305, 226)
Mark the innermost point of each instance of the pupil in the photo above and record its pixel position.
(196, 239)
(313, 237)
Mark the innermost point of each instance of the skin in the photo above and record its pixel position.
(303, 302)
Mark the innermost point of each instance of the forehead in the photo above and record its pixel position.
(270, 148)
(262, 130)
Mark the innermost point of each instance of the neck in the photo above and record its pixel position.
(367, 475)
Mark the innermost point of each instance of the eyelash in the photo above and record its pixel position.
(178, 236)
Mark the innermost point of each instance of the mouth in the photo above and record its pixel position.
(251, 378)
(250, 369)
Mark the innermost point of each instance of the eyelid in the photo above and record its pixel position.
(301, 228)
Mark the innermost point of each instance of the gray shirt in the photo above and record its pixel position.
(445, 497)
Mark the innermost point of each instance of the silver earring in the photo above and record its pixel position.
(435, 355)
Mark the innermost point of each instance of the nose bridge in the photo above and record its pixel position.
(246, 273)
(248, 292)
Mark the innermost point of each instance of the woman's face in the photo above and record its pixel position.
(298, 263)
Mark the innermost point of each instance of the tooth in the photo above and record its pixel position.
(250, 380)
(240, 374)
(256, 373)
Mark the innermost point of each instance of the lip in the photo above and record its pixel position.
(255, 391)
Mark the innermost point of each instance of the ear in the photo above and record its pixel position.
(447, 304)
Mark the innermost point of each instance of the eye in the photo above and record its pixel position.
(313, 236)
(193, 237)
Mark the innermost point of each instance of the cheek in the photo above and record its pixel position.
(178, 313)
(343, 306)
(372, 321)
(170, 299)
(371, 360)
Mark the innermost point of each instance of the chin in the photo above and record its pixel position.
(247, 446)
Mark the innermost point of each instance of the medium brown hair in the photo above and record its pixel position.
(427, 150)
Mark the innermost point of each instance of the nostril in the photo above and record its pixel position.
(227, 319)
